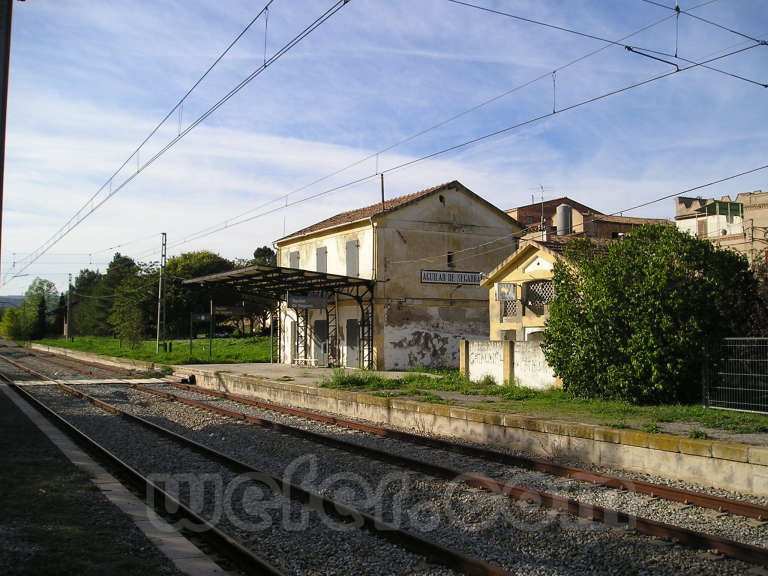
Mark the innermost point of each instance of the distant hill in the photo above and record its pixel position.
(10, 301)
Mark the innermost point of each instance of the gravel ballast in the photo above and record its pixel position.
(518, 537)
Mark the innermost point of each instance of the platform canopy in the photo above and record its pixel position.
(276, 281)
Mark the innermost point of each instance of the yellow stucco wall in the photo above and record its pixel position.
(533, 263)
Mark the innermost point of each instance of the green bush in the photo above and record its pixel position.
(632, 320)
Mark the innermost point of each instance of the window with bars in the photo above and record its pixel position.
(539, 295)
(509, 308)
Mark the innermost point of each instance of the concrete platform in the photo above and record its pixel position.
(729, 465)
(734, 466)
(303, 375)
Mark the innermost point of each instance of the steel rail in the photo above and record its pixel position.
(407, 539)
(703, 500)
(235, 547)
(69, 362)
(733, 549)
(737, 550)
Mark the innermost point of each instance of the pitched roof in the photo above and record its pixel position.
(360, 214)
(555, 202)
(630, 220)
(555, 245)
(366, 212)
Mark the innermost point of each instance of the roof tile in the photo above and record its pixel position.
(367, 211)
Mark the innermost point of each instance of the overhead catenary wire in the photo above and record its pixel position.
(177, 106)
(678, 10)
(231, 221)
(239, 219)
(634, 49)
(225, 224)
(234, 221)
(530, 121)
(616, 213)
(84, 212)
(607, 41)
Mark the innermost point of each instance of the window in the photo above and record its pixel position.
(506, 291)
(451, 261)
(353, 258)
(321, 258)
(294, 259)
(529, 219)
(539, 295)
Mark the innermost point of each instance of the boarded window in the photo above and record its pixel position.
(294, 258)
(701, 228)
(321, 255)
(506, 291)
(353, 258)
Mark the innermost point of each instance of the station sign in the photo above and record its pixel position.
(450, 277)
(306, 301)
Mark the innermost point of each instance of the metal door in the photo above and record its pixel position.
(320, 342)
(353, 343)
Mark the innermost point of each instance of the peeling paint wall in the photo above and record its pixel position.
(417, 334)
(423, 323)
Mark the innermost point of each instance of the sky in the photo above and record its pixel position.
(89, 82)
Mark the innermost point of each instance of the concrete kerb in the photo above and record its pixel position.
(728, 465)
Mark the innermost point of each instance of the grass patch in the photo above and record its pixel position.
(545, 404)
(651, 428)
(225, 350)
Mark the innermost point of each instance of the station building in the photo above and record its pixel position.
(422, 257)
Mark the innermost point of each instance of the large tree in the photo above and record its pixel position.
(264, 255)
(133, 312)
(183, 300)
(634, 319)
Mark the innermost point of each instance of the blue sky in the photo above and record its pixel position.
(89, 80)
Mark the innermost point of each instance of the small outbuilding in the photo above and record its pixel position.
(520, 290)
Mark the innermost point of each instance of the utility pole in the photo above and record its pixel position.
(543, 226)
(6, 14)
(161, 299)
(69, 309)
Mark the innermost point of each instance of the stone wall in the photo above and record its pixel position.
(506, 360)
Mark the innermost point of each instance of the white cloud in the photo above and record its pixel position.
(90, 81)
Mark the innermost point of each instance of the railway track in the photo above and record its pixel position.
(401, 542)
(207, 400)
(653, 490)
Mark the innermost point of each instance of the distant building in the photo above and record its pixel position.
(541, 221)
(740, 224)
